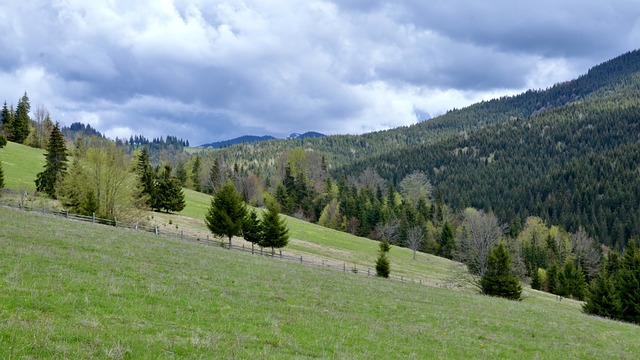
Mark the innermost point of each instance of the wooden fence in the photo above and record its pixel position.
(207, 241)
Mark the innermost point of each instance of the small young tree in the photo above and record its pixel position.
(252, 229)
(56, 166)
(446, 242)
(145, 178)
(275, 233)
(21, 120)
(383, 265)
(227, 212)
(603, 298)
(536, 282)
(498, 279)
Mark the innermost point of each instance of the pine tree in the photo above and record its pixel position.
(145, 179)
(446, 242)
(383, 265)
(227, 212)
(629, 283)
(603, 298)
(195, 173)
(499, 280)
(56, 166)
(1, 177)
(21, 121)
(7, 119)
(167, 192)
(252, 229)
(536, 283)
(275, 233)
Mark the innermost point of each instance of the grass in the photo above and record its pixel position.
(21, 164)
(73, 290)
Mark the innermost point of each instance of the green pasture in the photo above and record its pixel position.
(21, 164)
(76, 290)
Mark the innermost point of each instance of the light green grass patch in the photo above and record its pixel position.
(21, 164)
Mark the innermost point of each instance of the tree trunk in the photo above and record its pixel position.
(230, 242)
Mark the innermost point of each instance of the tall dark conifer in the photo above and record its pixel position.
(56, 166)
(499, 280)
(20, 124)
(275, 233)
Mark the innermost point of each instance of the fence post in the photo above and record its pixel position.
(136, 225)
(401, 278)
(300, 259)
(420, 281)
(93, 218)
(156, 229)
(66, 213)
(115, 221)
(181, 234)
(322, 262)
(280, 254)
(344, 266)
(368, 271)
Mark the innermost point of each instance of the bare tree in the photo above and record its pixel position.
(388, 231)
(415, 237)
(416, 186)
(480, 233)
(586, 251)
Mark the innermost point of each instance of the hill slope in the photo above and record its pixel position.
(21, 164)
(89, 291)
(574, 165)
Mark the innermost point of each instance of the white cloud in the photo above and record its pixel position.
(206, 70)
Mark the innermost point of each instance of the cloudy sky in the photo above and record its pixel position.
(210, 70)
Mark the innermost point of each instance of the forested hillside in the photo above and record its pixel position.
(341, 150)
(575, 165)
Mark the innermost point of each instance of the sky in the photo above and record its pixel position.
(209, 70)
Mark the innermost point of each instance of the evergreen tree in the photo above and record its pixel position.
(56, 166)
(21, 121)
(227, 212)
(145, 178)
(7, 120)
(1, 177)
(195, 173)
(167, 193)
(252, 229)
(536, 282)
(603, 298)
(499, 280)
(275, 233)
(446, 242)
(629, 283)
(3, 140)
(89, 204)
(383, 265)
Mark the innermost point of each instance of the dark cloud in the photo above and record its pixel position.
(208, 71)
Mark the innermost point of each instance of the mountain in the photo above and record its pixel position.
(570, 154)
(307, 135)
(248, 139)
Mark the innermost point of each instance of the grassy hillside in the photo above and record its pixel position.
(72, 290)
(21, 164)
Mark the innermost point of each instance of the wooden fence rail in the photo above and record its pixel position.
(342, 266)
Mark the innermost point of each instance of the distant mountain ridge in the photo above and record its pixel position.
(248, 139)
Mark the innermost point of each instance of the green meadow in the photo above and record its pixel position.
(21, 164)
(75, 290)
(78, 290)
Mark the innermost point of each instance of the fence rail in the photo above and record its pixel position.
(207, 241)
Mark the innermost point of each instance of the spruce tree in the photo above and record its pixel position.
(446, 242)
(603, 298)
(252, 229)
(383, 265)
(275, 233)
(629, 283)
(145, 179)
(56, 166)
(226, 213)
(21, 121)
(7, 121)
(536, 284)
(499, 280)
(167, 193)
(1, 177)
